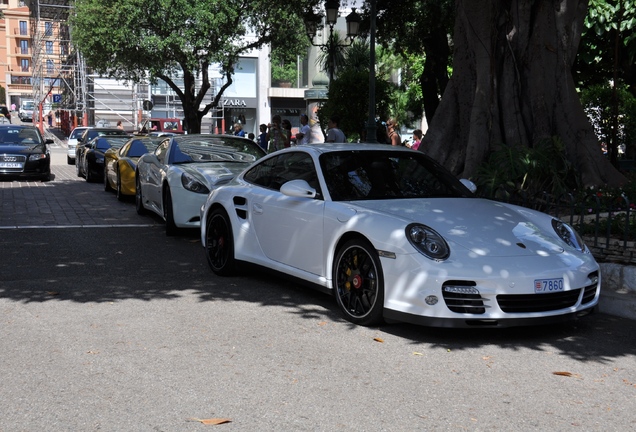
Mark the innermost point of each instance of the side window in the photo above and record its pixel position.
(162, 150)
(275, 172)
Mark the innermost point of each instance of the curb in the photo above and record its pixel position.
(618, 290)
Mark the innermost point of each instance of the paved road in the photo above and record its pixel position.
(106, 324)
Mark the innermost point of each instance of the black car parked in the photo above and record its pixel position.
(89, 160)
(24, 153)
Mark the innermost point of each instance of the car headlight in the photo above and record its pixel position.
(193, 185)
(428, 241)
(36, 157)
(569, 235)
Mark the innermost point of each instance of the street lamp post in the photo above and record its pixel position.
(313, 23)
(372, 129)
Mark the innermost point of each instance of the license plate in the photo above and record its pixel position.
(543, 286)
(10, 165)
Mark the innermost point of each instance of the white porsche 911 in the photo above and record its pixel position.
(395, 236)
(175, 179)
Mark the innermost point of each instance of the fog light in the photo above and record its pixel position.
(431, 300)
(461, 289)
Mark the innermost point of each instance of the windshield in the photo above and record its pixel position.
(202, 148)
(19, 135)
(374, 175)
(28, 105)
(76, 133)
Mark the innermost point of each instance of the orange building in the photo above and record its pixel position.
(29, 54)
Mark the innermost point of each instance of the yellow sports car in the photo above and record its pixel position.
(120, 164)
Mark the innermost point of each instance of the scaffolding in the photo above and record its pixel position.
(63, 83)
(58, 77)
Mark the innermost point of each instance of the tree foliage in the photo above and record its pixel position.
(349, 93)
(137, 40)
(608, 44)
(424, 29)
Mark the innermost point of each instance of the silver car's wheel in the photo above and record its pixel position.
(168, 214)
(219, 243)
(358, 282)
(139, 199)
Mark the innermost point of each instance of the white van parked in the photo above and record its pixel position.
(26, 110)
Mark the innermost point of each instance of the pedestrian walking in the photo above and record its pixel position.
(334, 134)
(304, 135)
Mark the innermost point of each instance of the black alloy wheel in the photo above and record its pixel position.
(359, 283)
(219, 243)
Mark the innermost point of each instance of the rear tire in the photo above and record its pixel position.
(219, 243)
(359, 283)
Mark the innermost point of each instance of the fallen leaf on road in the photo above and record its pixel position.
(567, 374)
(417, 353)
(322, 323)
(377, 339)
(212, 421)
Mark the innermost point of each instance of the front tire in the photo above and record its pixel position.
(70, 160)
(359, 283)
(168, 214)
(219, 243)
(107, 187)
(87, 173)
(120, 196)
(139, 199)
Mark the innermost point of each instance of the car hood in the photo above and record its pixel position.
(19, 148)
(214, 173)
(485, 228)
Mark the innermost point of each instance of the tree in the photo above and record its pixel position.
(136, 40)
(512, 86)
(349, 92)
(419, 28)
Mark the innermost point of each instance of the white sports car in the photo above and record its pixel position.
(175, 179)
(394, 235)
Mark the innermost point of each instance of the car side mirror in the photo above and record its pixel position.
(469, 185)
(298, 189)
(49, 141)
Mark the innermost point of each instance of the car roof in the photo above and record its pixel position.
(332, 147)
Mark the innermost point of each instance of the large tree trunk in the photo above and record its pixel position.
(512, 84)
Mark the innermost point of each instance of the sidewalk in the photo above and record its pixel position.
(56, 135)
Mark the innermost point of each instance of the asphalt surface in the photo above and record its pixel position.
(106, 324)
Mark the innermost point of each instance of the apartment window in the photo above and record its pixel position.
(23, 28)
(48, 28)
(24, 64)
(24, 47)
(49, 47)
(50, 67)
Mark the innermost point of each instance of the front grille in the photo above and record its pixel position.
(10, 163)
(12, 158)
(462, 302)
(538, 302)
